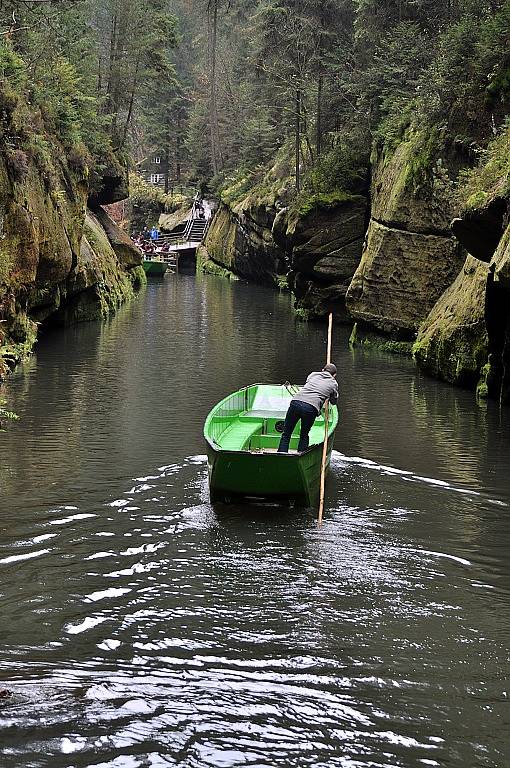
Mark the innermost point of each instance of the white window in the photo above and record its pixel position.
(157, 160)
(156, 178)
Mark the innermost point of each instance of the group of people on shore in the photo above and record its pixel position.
(148, 241)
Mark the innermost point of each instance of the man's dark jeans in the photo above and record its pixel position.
(297, 410)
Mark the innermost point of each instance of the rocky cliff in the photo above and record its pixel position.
(240, 240)
(58, 261)
(410, 256)
(466, 337)
(412, 274)
(314, 240)
(323, 240)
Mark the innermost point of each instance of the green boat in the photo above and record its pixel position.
(154, 267)
(242, 434)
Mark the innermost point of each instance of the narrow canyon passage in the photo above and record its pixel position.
(143, 627)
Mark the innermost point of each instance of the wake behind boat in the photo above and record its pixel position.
(242, 434)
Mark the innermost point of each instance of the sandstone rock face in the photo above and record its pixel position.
(98, 284)
(497, 318)
(45, 262)
(484, 231)
(127, 253)
(400, 277)
(480, 230)
(452, 342)
(410, 257)
(321, 248)
(324, 248)
(112, 184)
(240, 240)
(168, 221)
(396, 202)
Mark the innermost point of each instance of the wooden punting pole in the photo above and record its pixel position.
(326, 419)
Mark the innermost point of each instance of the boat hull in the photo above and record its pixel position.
(266, 476)
(154, 268)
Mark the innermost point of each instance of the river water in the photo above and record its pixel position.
(141, 627)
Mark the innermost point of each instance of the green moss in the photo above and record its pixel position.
(306, 202)
(353, 338)
(458, 357)
(491, 178)
(220, 239)
(301, 313)
(138, 277)
(5, 263)
(20, 339)
(206, 266)
(482, 388)
(372, 341)
(260, 186)
(477, 200)
(40, 150)
(236, 187)
(282, 283)
(424, 149)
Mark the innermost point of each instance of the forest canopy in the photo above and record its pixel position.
(222, 86)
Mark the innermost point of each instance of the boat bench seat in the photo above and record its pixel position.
(236, 437)
(262, 414)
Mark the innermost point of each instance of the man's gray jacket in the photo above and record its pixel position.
(320, 386)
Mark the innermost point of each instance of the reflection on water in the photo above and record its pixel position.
(141, 627)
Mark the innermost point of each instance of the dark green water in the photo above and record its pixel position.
(141, 627)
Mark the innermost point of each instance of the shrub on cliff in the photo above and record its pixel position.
(148, 202)
(17, 164)
(491, 177)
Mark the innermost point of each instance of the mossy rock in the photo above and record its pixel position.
(206, 265)
(452, 341)
(368, 340)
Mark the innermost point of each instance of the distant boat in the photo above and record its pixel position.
(154, 266)
(242, 433)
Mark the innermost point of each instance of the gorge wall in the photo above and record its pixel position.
(61, 258)
(410, 256)
(393, 261)
(314, 242)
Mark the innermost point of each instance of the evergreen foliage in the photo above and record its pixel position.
(219, 86)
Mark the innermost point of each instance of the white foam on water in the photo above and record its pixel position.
(26, 556)
(141, 488)
(72, 518)
(83, 626)
(43, 537)
(106, 593)
(339, 460)
(200, 459)
(109, 644)
(456, 559)
(67, 746)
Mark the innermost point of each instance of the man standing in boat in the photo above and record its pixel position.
(307, 404)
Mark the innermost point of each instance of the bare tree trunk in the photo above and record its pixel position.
(167, 158)
(213, 116)
(113, 49)
(318, 137)
(178, 149)
(131, 101)
(298, 139)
